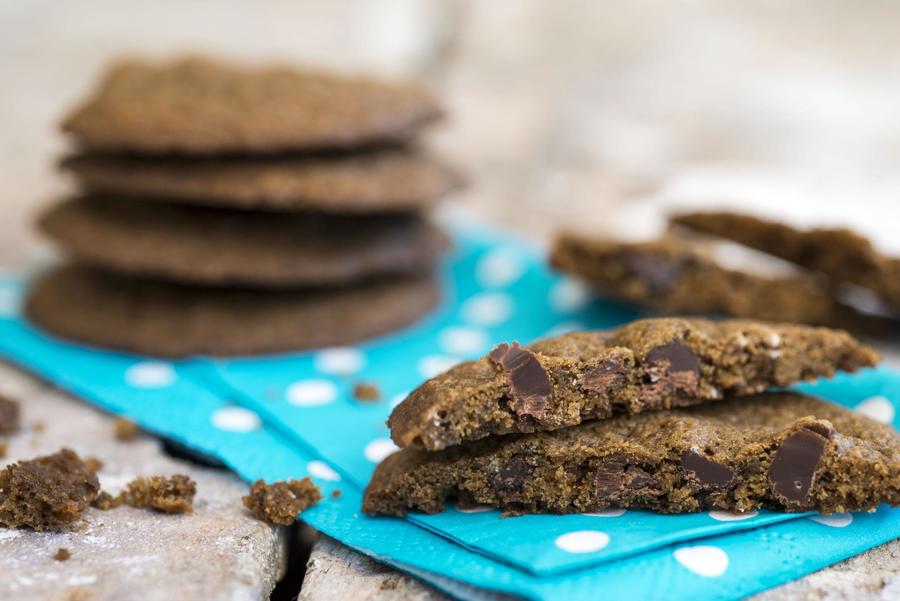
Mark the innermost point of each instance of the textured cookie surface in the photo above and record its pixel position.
(838, 253)
(677, 275)
(220, 247)
(647, 365)
(367, 182)
(200, 106)
(154, 318)
(783, 451)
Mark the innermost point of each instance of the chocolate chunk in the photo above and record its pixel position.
(706, 471)
(681, 365)
(793, 471)
(616, 480)
(529, 383)
(655, 273)
(511, 476)
(607, 376)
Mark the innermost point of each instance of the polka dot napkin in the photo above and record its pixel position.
(294, 415)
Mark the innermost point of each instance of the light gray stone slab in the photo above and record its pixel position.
(219, 552)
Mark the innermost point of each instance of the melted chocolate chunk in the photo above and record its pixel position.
(616, 479)
(655, 273)
(607, 376)
(529, 383)
(793, 471)
(682, 368)
(510, 479)
(706, 471)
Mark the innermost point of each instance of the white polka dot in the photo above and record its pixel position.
(878, 408)
(609, 513)
(463, 341)
(150, 374)
(487, 308)
(569, 295)
(399, 398)
(340, 361)
(433, 365)
(703, 560)
(235, 419)
(474, 509)
(378, 449)
(499, 268)
(564, 328)
(320, 469)
(730, 516)
(308, 393)
(835, 520)
(582, 541)
(10, 300)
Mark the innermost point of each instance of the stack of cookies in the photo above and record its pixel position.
(671, 415)
(227, 210)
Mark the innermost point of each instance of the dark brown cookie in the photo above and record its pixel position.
(679, 275)
(201, 106)
(169, 320)
(647, 365)
(783, 451)
(221, 248)
(360, 183)
(839, 253)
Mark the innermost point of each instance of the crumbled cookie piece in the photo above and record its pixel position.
(92, 464)
(105, 501)
(279, 503)
(46, 493)
(366, 392)
(125, 429)
(62, 554)
(9, 416)
(168, 495)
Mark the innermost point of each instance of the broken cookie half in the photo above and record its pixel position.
(647, 365)
(783, 451)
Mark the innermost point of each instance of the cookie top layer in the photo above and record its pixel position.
(376, 181)
(680, 275)
(647, 365)
(168, 320)
(783, 451)
(839, 253)
(201, 106)
(226, 248)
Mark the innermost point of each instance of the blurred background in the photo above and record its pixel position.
(601, 114)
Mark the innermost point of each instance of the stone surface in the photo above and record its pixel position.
(218, 552)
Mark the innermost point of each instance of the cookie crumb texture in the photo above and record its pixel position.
(9, 416)
(783, 451)
(168, 495)
(279, 503)
(647, 365)
(125, 429)
(46, 493)
(62, 554)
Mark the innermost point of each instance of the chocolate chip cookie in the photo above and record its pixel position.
(379, 181)
(156, 318)
(783, 451)
(202, 106)
(247, 248)
(647, 365)
(839, 253)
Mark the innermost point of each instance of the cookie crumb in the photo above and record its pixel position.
(62, 554)
(125, 429)
(38, 426)
(168, 495)
(2, 450)
(279, 503)
(105, 501)
(336, 493)
(9, 416)
(366, 392)
(92, 464)
(46, 493)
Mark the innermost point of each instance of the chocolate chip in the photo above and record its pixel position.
(529, 383)
(680, 365)
(793, 470)
(655, 273)
(606, 376)
(615, 475)
(706, 471)
(511, 477)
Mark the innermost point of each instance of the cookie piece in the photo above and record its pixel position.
(174, 494)
(227, 248)
(839, 253)
(647, 365)
(280, 503)
(386, 180)
(199, 105)
(169, 320)
(677, 275)
(46, 493)
(783, 451)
